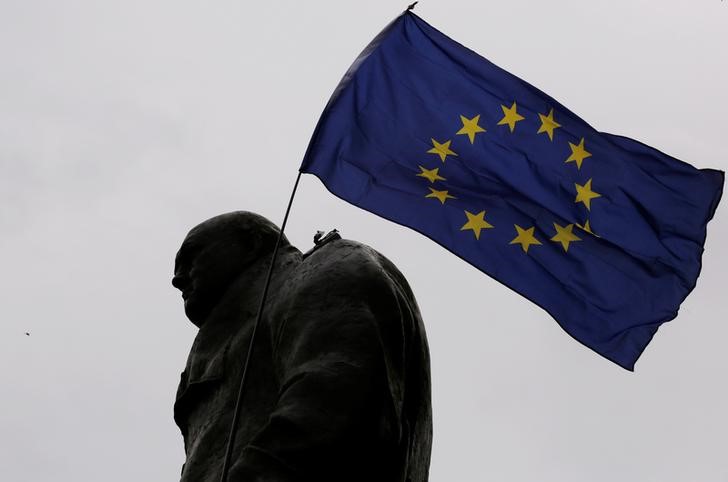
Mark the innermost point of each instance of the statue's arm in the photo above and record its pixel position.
(333, 381)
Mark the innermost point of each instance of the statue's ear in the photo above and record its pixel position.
(251, 250)
(253, 247)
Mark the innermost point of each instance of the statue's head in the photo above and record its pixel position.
(215, 254)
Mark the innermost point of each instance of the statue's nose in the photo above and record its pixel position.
(179, 282)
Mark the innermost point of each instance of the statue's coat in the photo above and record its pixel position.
(339, 383)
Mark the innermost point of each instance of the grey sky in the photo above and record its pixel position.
(123, 124)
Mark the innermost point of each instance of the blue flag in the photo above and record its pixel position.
(603, 232)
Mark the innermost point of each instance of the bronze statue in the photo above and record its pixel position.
(339, 383)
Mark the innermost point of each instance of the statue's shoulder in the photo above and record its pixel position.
(349, 257)
(343, 265)
(344, 251)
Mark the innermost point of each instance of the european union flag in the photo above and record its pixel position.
(604, 233)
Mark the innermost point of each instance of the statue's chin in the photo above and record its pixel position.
(195, 313)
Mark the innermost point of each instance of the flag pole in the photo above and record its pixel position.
(241, 389)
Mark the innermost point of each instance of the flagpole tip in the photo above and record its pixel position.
(412, 6)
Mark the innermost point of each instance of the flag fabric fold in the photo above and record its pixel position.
(603, 232)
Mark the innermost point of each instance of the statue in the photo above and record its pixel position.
(339, 383)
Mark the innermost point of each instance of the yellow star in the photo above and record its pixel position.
(510, 116)
(587, 228)
(441, 195)
(525, 237)
(470, 127)
(431, 174)
(564, 235)
(548, 124)
(442, 150)
(584, 194)
(476, 222)
(578, 153)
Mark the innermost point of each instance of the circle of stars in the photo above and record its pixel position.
(476, 222)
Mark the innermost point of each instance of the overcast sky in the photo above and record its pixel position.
(124, 124)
